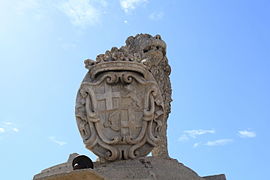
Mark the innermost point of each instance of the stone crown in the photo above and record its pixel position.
(115, 54)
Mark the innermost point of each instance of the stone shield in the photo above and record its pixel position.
(119, 110)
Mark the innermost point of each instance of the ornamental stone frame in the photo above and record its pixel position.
(119, 110)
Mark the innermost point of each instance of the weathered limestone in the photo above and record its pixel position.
(122, 108)
(87, 174)
(152, 52)
(216, 177)
(58, 169)
(144, 168)
(147, 168)
(124, 100)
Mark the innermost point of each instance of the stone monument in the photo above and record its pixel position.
(122, 108)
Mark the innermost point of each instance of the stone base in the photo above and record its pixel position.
(216, 177)
(147, 168)
(86, 174)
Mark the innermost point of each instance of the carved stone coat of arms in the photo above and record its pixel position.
(119, 110)
(123, 103)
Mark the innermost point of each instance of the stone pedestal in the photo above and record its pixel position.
(216, 177)
(144, 168)
(87, 174)
(147, 168)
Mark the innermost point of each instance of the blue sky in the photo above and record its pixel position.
(219, 52)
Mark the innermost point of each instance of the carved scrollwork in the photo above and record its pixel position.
(119, 113)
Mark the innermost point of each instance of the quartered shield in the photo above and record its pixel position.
(119, 110)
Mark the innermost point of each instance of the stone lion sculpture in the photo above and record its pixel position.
(123, 103)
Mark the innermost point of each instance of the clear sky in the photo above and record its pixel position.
(219, 51)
